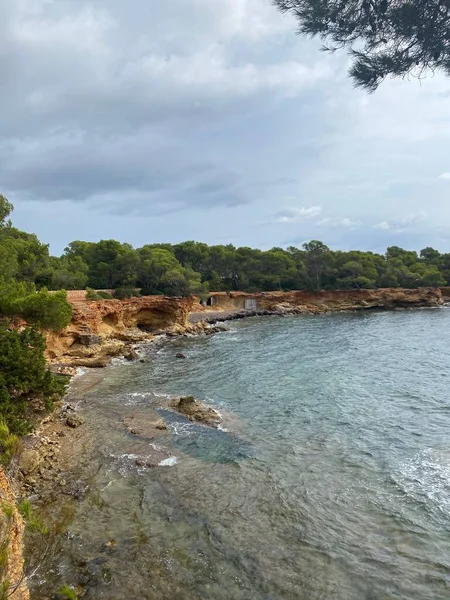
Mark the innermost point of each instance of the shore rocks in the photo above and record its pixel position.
(74, 421)
(131, 354)
(143, 426)
(196, 411)
(30, 461)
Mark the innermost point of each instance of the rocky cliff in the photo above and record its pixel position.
(326, 301)
(11, 535)
(103, 328)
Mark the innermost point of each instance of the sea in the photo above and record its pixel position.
(329, 478)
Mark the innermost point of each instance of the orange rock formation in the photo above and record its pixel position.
(11, 535)
(101, 328)
(326, 301)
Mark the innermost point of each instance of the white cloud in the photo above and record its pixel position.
(383, 225)
(297, 215)
(402, 223)
(212, 108)
(336, 222)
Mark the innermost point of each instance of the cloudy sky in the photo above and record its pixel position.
(152, 120)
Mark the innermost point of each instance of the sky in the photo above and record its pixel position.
(162, 121)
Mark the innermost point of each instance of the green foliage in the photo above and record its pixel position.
(195, 268)
(33, 522)
(123, 293)
(49, 311)
(9, 445)
(7, 509)
(92, 294)
(384, 38)
(68, 592)
(105, 295)
(6, 209)
(25, 380)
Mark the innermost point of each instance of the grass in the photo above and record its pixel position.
(33, 522)
(67, 592)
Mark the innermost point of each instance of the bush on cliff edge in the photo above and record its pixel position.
(26, 384)
(41, 308)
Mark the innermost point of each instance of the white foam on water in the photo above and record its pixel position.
(161, 395)
(134, 397)
(125, 456)
(118, 361)
(221, 428)
(181, 428)
(168, 462)
(79, 372)
(426, 477)
(156, 447)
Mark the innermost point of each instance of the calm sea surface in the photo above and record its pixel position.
(332, 481)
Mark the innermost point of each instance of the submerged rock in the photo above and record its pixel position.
(131, 354)
(74, 420)
(145, 425)
(196, 411)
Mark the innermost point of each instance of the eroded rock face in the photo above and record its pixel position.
(11, 533)
(196, 411)
(100, 329)
(326, 301)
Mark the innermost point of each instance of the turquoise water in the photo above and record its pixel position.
(331, 483)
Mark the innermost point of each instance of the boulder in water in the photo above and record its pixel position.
(74, 420)
(180, 355)
(196, 411)
(131, 354)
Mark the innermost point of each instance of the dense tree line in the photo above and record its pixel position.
(193, 267)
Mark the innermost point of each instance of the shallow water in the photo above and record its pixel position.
(331, 483)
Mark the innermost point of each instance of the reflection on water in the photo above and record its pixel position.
(332, 481)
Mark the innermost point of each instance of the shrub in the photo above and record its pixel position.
(124, 293)
(105, 295)
(50, 311)
(25, 381)
(9, 444)
(92, 294)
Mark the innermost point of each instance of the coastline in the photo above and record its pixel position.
(56, 450)
(102, 330)
(49, 450)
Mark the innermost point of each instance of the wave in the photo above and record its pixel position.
(426, 478)
(168, 462)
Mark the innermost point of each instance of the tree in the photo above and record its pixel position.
(155, 263)
(318, 259)
(383, 37)
(6, 209)
(429, 254)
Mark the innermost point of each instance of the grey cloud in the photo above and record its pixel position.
(143, 110)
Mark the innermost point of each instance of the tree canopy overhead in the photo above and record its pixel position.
(384, 37)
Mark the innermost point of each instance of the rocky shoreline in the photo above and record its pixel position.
(43, 461)
(102, 330)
